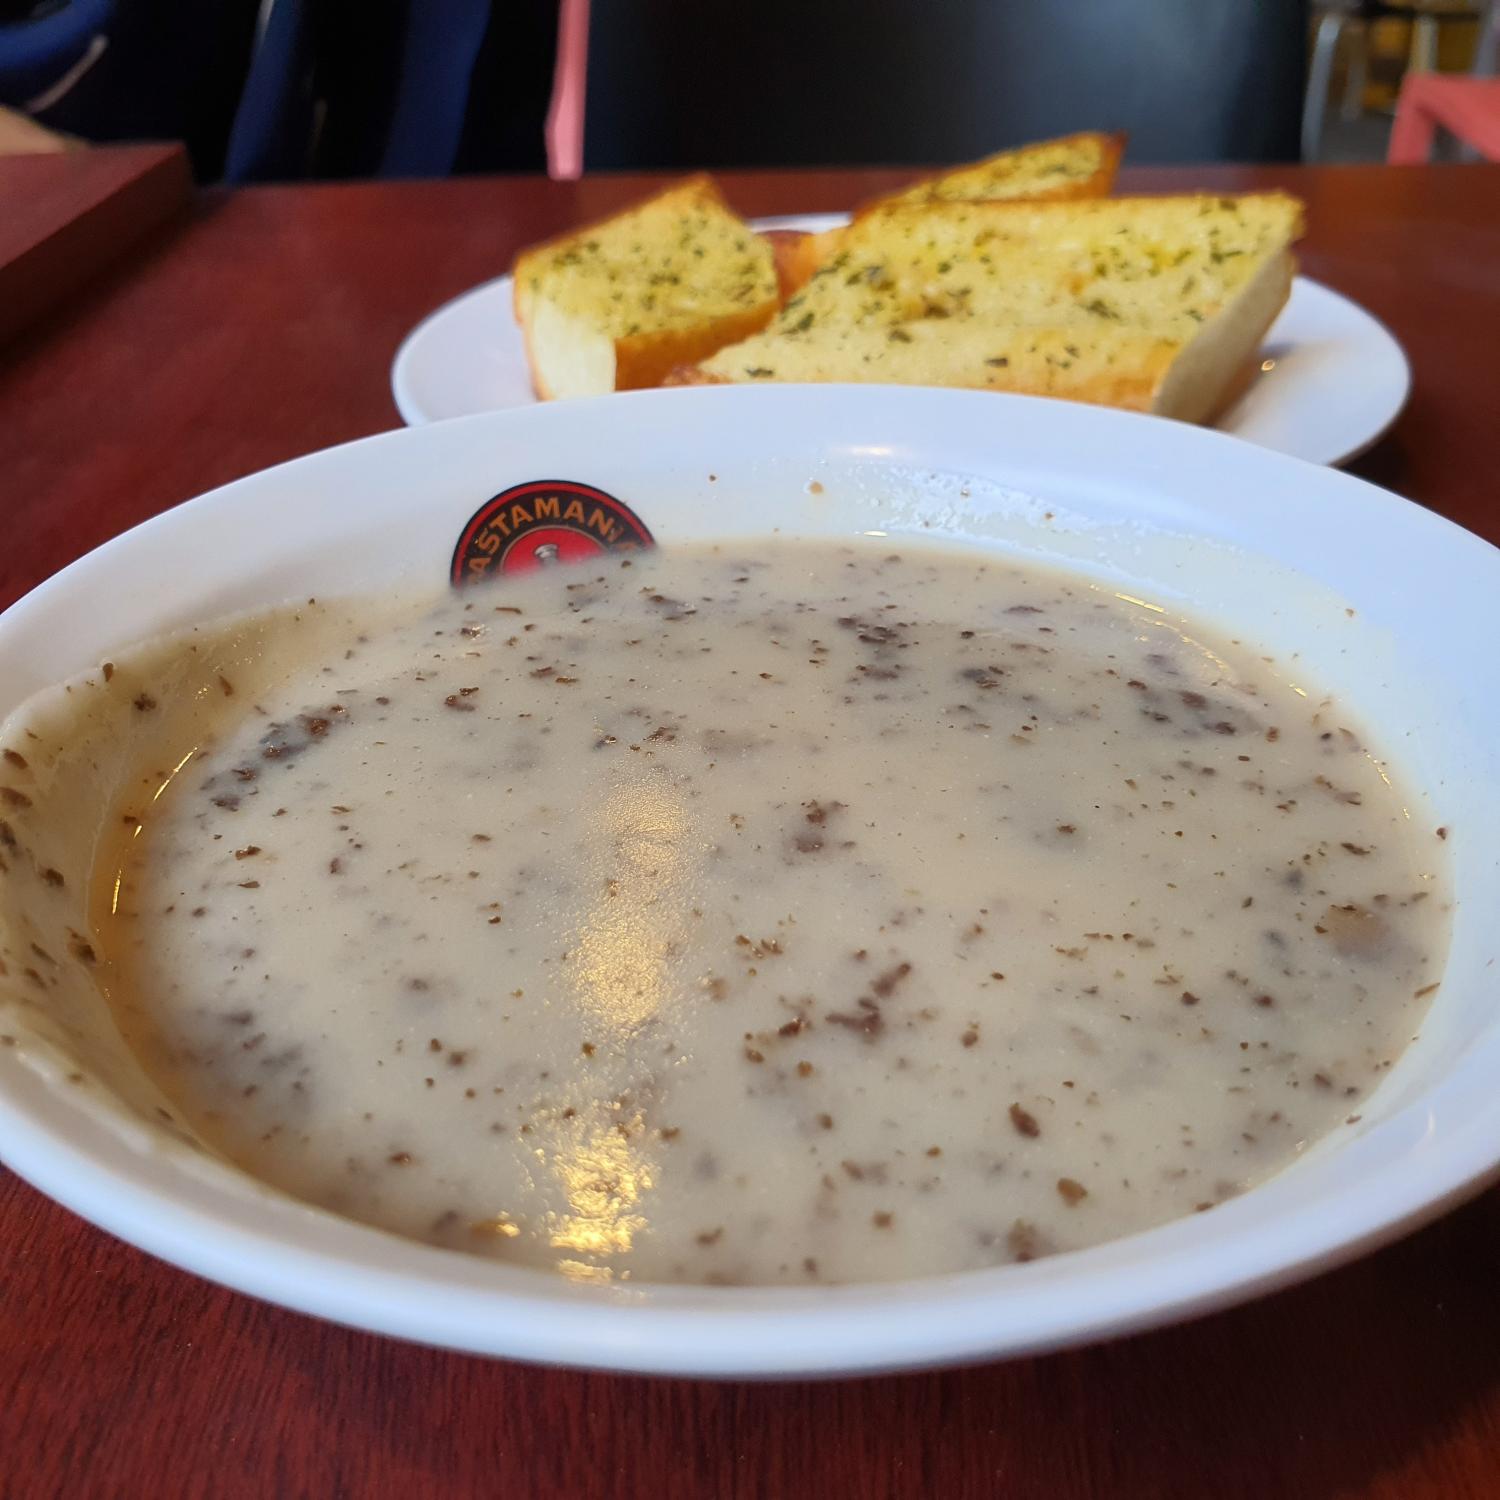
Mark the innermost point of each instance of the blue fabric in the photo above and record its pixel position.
(443, 38)
(299, 88)
(272, 132)
(387, 87)
(35, 54)
(168, 70)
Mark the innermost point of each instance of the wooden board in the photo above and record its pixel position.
(65, 216)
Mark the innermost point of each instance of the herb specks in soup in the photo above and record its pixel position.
(805, 913)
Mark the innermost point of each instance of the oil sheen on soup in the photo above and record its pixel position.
(787, 913)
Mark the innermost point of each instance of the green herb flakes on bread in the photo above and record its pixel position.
(1153, 304)
(618, 305)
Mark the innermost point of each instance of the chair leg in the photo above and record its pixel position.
(1319, 74)
(1487, 49)
(1414, 129)
(1358, 74)
(1424, 44)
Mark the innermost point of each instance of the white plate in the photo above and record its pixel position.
(1387, 604)
(1332, 381)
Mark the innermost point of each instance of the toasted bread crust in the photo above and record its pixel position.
(699, 184)
(996, 276)
(694, 375)
(1149, 304)
(1238, 386)
(788, 249)
(1098, 184)
(797, 262)
(649, 358)
(544, 392)
(680, 304)
(1133, 389)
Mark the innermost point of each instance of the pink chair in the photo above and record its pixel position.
(1467, 108)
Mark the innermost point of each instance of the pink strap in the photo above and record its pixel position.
(564, 131)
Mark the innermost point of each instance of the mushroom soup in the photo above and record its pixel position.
(777, 913)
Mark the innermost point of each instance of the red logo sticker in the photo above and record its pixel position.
(544, 521)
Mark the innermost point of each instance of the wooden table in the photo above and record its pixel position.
(263, 327)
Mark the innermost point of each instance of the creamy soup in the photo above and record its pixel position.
(767, 913)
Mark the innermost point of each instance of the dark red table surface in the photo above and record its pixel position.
(262, 326)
